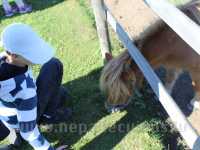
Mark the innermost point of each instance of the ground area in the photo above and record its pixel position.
(69, 26)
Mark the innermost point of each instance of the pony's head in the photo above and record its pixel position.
(118, 79)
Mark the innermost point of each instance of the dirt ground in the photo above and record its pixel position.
(134, 16)
(138, 20)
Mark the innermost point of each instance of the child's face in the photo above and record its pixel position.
(16, 60)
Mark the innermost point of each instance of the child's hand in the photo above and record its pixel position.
(63, 147)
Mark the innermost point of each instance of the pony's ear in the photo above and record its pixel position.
(108, 57)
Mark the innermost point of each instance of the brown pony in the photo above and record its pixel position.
(164, 47)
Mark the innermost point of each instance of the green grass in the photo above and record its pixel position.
(69, 26)
(179, 1)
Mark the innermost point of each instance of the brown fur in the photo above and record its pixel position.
(164, 47)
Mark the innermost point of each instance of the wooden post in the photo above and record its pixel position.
(102, 29)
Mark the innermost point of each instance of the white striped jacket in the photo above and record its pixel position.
(18, 108)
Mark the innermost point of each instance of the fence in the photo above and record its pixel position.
(183, 26)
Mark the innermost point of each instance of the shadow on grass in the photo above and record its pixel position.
(88, 105)
(115, 134)
(36, 4)
(137, 113)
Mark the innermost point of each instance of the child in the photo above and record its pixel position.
(21, 6)
(18, 92)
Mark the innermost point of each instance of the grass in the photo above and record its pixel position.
(179, 1)
(69, 26)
